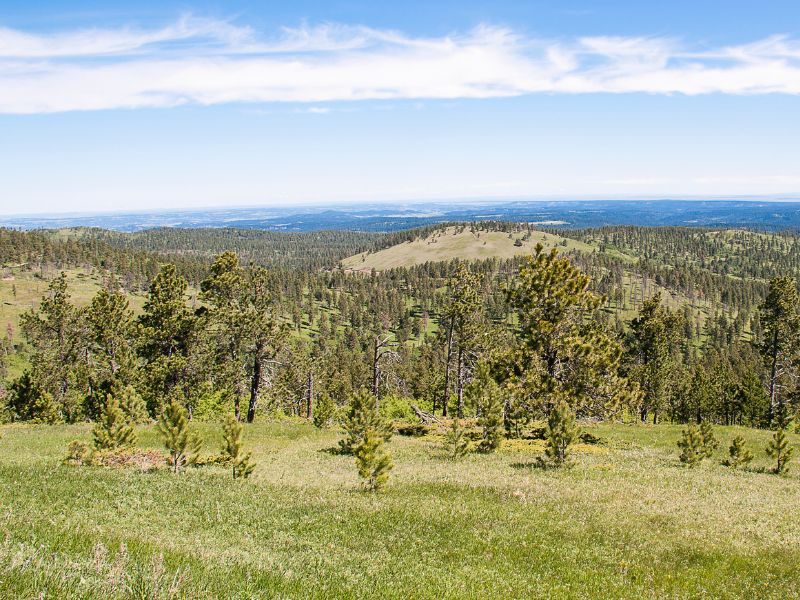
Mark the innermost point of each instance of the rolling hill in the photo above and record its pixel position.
(466, 243)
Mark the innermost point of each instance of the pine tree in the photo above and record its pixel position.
(362, 416)
(56, 334)
(491, 418)
(740, 456)
(778, 447)
(710, 442)
(232, 448)
(562, 432)
(456, 442)
(563, 350)
(653, 346)
(110, 357)
(691, 445)
(133, 405)
(182, 444)
(44, 409)
(781, 346)
(166, 326)
(372, 460)
(324, 411)
(112, 430)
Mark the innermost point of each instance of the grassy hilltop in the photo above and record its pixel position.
(453, 242)
(626, 522)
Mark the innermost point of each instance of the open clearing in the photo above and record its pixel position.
(626, 521)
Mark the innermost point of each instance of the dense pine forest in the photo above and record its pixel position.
(683, 317)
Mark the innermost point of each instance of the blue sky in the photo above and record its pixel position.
(144, 105)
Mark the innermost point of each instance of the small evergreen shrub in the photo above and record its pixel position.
(413, 429)
(45, 410)
(240, 462)
(372, 460)
(710, 442)
(182, 444)
(738, 454)
(112, 429)
(778, 447)
(691, 445)
(562, 432)
(324, 411)
(78, 453)
(133, 405)
(491, 418)
(362, 415)
(456, 443)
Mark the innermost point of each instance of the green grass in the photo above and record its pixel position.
(626, 521)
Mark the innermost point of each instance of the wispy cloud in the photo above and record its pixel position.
(205, 61)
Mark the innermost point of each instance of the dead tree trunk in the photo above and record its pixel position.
(380, 351)
(255, 383)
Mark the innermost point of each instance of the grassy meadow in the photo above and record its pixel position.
(626, 521)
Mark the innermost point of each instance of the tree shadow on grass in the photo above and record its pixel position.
(541, 464)
(335, 451)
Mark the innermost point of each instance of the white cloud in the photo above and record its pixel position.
(205, 62)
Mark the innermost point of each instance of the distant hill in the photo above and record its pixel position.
(465, 243)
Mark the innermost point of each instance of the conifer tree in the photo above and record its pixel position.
(165, 332)
(739, 455)
(456, 442)
(324, 411)
(778, 447)
(182, 444)
(109, 347)
(781, 346)
(710, 442)
(491, 417)
(362, 416)
(56, 334)
(44, 409)
(372, 460)
(132, 404)
(691, 445)
(112, 429)
(562, 432)
(232, 448)
(463, 314)
(563, 351)
(653, 350)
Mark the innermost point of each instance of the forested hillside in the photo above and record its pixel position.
(560, 389)
(375, 320)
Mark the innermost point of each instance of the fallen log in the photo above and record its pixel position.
(426, 417)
